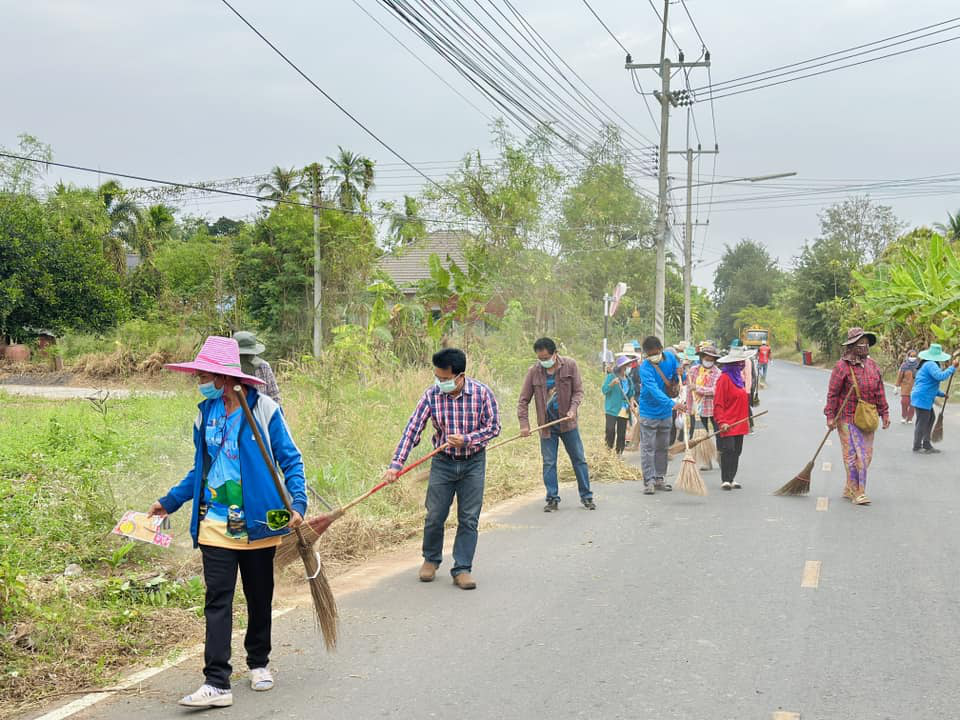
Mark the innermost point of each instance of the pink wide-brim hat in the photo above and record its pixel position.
(220, 356)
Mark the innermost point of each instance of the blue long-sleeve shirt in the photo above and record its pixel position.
(927, 385)
(653, 402)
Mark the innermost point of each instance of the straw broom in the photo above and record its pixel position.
(937, 434)
(314, 527)
(324, 604)
(704, 452)
(800, 485)
(689, 479)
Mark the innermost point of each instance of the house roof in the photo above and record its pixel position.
(412, 263)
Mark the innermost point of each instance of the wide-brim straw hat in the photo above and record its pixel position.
(691, 353)
(935, 353)
(248, 343)
(737, 353)
(710, 351)
(218, 356)
(854, 335)
(627, 351)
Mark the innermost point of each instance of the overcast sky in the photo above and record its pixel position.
(182, 90)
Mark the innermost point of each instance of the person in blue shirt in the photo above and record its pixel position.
(926, 388)
(617, 392)
(659, 394)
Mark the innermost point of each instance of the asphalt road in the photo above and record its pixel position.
(655, 608)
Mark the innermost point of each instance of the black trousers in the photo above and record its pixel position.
(616, 433)
(220, 567)
(729, 449)
(922, 429)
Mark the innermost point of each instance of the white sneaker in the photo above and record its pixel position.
(903, 421)
(261, 679)
(207, 696)
(726, 486)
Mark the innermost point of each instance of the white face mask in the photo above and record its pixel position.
(655, 359)
(707, 362)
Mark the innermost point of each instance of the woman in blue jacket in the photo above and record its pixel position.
(232, 492)
(926, 388)
(617, 392)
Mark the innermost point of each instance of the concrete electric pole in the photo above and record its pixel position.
(666, 99)
(688, 237)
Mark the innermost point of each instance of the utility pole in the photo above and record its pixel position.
(315, 172)
(688, 238)
(666, 99)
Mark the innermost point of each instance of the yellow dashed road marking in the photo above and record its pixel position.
(786, 715)
(811, 574)
(827, 466)
(823, 504)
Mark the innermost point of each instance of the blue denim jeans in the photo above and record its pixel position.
(463, 479)
(574, 447)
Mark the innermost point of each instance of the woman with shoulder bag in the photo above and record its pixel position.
(859, 417)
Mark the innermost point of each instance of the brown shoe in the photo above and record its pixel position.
(464, 581)
(428, 571)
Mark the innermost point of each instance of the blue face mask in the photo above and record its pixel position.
(548, 363)
(210, 391)
(446, 386)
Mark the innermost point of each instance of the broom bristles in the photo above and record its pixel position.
(937, 434)
(689, 480)
(324, 604)
(704, 451)
(800, 485)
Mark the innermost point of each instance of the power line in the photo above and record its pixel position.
(609, 31)
(687, 11)
(834, 69)
(332, 100)
(840, 52)
(660, 19)
(422, 61)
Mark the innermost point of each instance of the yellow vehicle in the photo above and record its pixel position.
(754, 336)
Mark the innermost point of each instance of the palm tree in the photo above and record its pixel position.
(353, 177)
(283, 185)
(950, 230)
(407, 227)
(155, 226)
(124, 216)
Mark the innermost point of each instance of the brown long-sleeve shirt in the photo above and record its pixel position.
(569, 388)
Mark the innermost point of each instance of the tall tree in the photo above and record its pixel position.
(124, 216)
(860, 226)
(20, 176)
(407, 226)
(282, 185)
(352, 177)
(747, 275)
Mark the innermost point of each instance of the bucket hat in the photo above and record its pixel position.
(737, 353)
(220, 356)
(691, 353)
(855, 333)
(621, 361)
(710, 351)
(248, 343)
(935, 353)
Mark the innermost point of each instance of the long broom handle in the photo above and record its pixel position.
(836, 419)
(281, 488)
(380, 486)
(943, 408)
(733, 424)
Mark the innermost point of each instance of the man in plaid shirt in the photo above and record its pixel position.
(465, 418)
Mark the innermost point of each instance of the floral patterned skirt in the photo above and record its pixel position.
(857, 447)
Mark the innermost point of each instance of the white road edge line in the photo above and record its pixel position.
(86, 701)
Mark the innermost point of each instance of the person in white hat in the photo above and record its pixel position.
(235, 509)
(731, 404)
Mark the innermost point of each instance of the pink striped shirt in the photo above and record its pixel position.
(473, 414)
